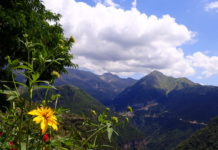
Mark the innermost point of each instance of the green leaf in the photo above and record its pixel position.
(45, 86)
(101, 118)
(23, 67)
(46, 82)
(35, 76)
(54, 97)
(12, 97)
(21, 84)
(9, 92)
(109, 132)
(8, 59)
(23, 146)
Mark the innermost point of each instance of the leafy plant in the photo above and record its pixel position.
(19, 131)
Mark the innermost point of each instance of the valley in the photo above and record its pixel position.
(166, 110)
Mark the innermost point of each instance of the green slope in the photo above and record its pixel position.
(168, 110)
(79, 102)
(204, 139)
(153, 87)
(158, 80)
(73, 98)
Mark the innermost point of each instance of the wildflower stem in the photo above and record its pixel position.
(96, 132)
(46, 94)
(31, 96)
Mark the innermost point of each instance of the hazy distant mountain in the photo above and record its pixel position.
(166, 109)
(116, 82)
(102, 87)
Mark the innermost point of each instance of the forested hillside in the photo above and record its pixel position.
(166, 109)
(206, 138)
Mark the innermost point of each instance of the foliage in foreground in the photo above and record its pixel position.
(30, 17)
(20, 131)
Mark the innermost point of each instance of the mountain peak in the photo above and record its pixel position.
(108, 77)
(156, 73)
(158, 80)
(108, 74)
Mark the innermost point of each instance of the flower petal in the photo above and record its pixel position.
(34, 112)
(38, 119)
(53, 124)
(45, 116)
(44, 126)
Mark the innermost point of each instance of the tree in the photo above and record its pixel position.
(22, 20)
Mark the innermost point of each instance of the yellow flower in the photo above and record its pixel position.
(45, 116)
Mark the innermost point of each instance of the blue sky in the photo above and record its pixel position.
(134, 37)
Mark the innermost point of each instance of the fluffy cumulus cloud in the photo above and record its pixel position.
(212, 6)
(111, 3)
(208, 64)
(107, 3)
(110, 39)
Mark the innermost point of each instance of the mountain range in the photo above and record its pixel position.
(102, 87)
(167, 110)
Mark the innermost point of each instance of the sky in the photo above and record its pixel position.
(131, 38)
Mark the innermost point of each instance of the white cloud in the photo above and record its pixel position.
(208, 64)
(134, 3)
(110, 39)
(109, 3)
(212, 6)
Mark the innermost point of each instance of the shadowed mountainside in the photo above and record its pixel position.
(166, 109)
(102, 87)
(206, 138)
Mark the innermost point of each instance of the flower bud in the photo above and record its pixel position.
(71, 39)
(61, 41)
(44, 102)
(93, 112)
(11, 143)
(1, 133)
(25, 35)
(45, 138)
(129, 108)
(55, 74)
(114, 119)
(127, 119)
(107, 109)
(61, 47)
